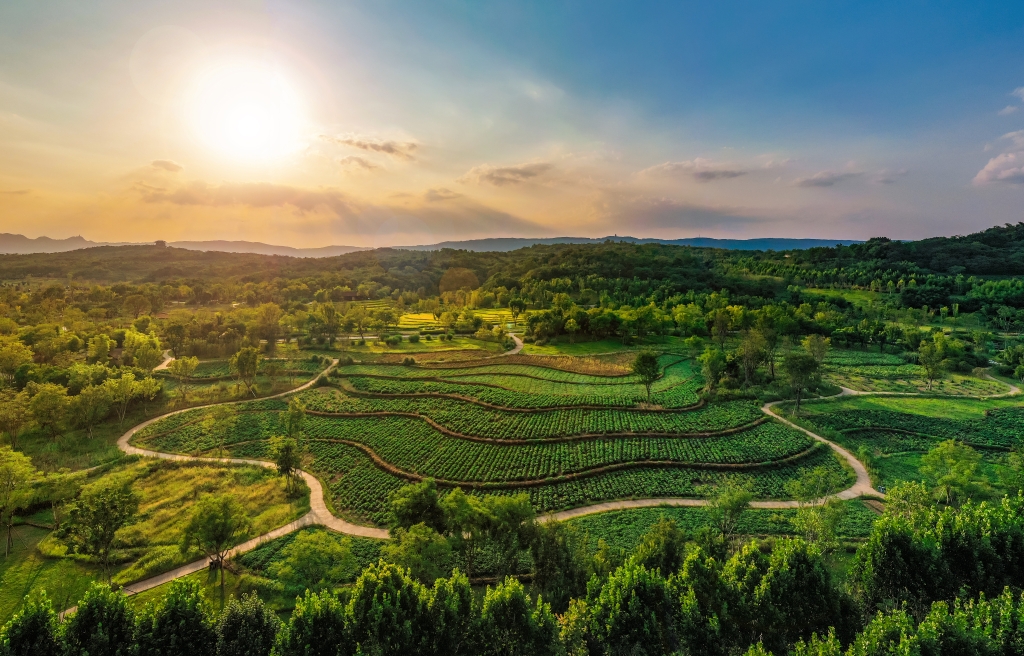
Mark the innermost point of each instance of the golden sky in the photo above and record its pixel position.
(390, 123)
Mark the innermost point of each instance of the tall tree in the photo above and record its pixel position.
(14, 414)
(315, 560)
(245, 365)
(287, 458)
(645, 367)
(801, 370)
(219, 423)
(712, 363)
(49, 405)
(512, 624)
(102, 509)
(13, 354)
(122, 392)
(180, 624)
(726, 506)
(247, 628)
(16, 477)
(952, 468)
(90, 406)
(33, 631)
(217, 523)
(102, 625)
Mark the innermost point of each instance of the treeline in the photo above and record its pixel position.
(930, 580)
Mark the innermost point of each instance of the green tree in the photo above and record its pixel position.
(634, 613)
(801, 370)
(952, 468)
(315, 560)
(516, 307)
(122, 392)
(245, 365)
(103, 508)
(90, 406)
(16, 478)
(818, 514)
(512, 624)
(294, 418)
(561, 562)
(511, 522)
(645, 367)
(662, 548)
(421, 550)
(13, 354)
(726, 505)
(103, 624)
(466, 519)
(217, 523)
(572, 328)
(182, 370)
(712, 363)
(385, 612)
(817, 347)
(14, 414)
(49, 406)
(315, 628)
(33, 631)
(286, 457)
(181, 624)
(450, 618)
(417, 503)
(60, 488)
(751, 354)
(931, 358)
(247, 628)
(99, 349)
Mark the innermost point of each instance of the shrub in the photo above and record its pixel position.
(414, 339)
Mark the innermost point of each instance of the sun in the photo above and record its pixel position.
(245, 110)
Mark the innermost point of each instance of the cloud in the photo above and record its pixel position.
(357, 163)
(398, 149)
(886, 176)
(1019, 92)
(501, 176)
(1009, 109)
(17, 192)
(657, 213)
(250, 194)
(440, 193)
(702, 170)
(166, 165)
(825, 178)
(777, 163)
(1006, 168)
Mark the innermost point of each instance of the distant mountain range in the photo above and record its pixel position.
(19, 244)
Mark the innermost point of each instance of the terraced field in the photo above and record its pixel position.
(517, 386)
(501, 428)
(871, 371)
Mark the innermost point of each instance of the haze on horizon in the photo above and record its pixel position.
(382, 123)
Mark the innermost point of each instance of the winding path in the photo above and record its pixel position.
(319, 515)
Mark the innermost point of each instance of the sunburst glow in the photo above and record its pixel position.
(246, 111)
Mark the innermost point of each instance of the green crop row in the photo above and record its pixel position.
(414, 446)
(359, 488)
(1001, 428)
(470, 419)
(851, 358)
(545, 395)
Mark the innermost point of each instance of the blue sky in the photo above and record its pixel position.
(407, 122)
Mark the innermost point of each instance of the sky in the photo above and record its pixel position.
(394, 122)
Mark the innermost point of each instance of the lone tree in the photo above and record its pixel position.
(727, 506)
(930, 357)
(103, 509)
(245, 365)
(287, 459)
(645, 366)
(218, 423)
(800, 369)
(14, 414)
(216, 524)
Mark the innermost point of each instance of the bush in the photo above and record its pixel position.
(409, 361)
(414, 339)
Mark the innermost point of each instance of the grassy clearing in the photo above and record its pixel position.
(969, 409)
(561, 346)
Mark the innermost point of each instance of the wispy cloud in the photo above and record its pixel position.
(1019, 92)
(439, 194)
(501, 176)
(702, 170)
(1009, 109)
(357, 163)
(254, 194)
(826, 178)
(404, 150)
(166, 165)
(1007, 167)
(885, 176)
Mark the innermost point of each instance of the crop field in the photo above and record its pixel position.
(503, 428)
(519, 386)
(220, 369)
(871, 371)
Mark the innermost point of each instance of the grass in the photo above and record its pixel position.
(933, 407)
